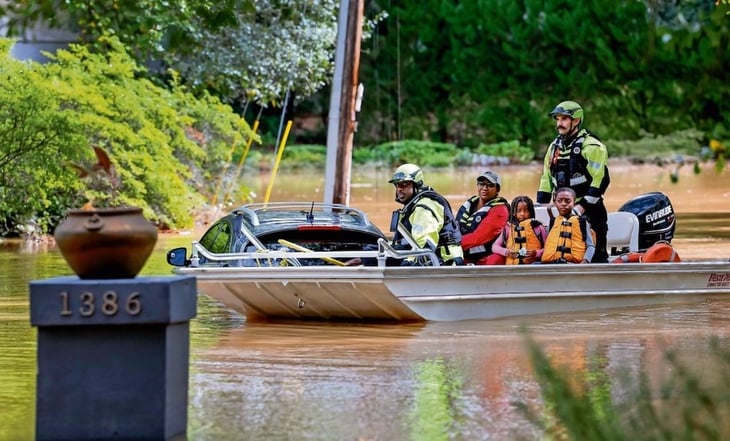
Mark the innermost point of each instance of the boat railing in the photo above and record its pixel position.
(285, 257)
(253, 239)
(411, 253)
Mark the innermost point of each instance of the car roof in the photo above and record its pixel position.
(262, 217)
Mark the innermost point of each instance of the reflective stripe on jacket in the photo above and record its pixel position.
(429, 219)
(470, 218)
(581, 164)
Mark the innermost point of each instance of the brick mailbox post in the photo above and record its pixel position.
(113, 357)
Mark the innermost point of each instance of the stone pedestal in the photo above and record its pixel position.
(113, 357)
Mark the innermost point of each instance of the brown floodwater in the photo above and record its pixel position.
(428, 381)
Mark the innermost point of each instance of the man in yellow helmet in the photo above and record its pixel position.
(578, 159)
(426, 215)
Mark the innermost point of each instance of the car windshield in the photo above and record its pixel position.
(304, 213)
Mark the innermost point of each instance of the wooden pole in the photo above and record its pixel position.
(342, 117)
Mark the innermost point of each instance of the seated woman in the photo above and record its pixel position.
(481, 220)
(523, 238)
(570, 239)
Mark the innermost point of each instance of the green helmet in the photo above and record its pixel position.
(408, 172)
(568, 108)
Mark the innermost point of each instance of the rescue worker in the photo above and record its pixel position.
(570, 238)
(426, 215)
(481, 220)
(578, 159)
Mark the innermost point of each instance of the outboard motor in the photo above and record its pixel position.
(657, 220)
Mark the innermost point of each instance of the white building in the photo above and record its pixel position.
(38, 40)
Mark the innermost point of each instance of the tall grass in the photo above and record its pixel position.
(689, 403)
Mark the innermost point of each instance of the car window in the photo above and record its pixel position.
(218, 237)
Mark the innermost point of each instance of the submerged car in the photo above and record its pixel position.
(285, 226)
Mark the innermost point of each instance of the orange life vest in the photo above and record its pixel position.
(565, 241)
(661, 251)
(522, 236)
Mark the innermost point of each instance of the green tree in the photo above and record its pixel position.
(168, 147)
(35, 130)
(488, 71)
(275, 47)
(239, 50)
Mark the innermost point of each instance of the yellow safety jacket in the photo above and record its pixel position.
(429, 219)
(569, 240)
(522, 236)
(580, 163)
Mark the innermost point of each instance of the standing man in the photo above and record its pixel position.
(481, 219)
(426, 215)
(578, 159)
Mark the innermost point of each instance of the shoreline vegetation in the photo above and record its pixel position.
(680, 147)
(205, 216)
(674, 157)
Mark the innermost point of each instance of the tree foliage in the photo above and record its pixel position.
(35, 130)
(466, 74)
(275, 47)
(489, 70)
(475, 72)
(167, 146)
(239, 50)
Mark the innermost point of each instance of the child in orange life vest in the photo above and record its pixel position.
(523, 237)
(570, 239)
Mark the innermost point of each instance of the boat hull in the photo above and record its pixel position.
(456, 293)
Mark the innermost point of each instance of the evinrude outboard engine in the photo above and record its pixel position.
(657, 220)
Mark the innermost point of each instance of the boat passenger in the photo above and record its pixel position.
(570, 237)
(578, 159)
(426, 216)
(523, 238)
(481, 220)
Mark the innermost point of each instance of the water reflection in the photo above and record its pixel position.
(348, 381)
(17, 375)
(300, 381)
(437, 393)
(334, 381)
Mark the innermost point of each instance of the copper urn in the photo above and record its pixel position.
(108, 243)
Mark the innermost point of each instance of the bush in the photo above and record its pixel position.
(511, 150)
(682, 142)
(303, 157)
(171, 149)
(421, 153)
